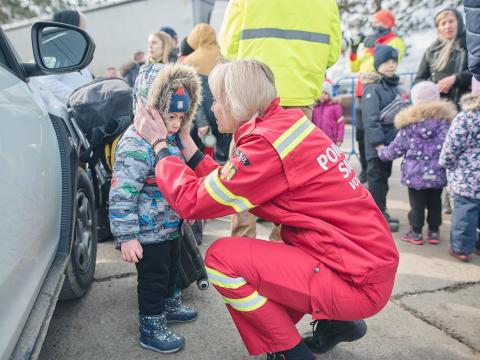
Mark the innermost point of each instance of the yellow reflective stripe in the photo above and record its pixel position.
(222, 195)
(293, 136)
(340, 119)
(249, 303)
(222, 280)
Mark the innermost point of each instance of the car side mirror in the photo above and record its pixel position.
(59, 48)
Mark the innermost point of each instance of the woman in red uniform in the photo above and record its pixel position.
(338, 259)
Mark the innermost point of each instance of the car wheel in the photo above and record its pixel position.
(80, 270)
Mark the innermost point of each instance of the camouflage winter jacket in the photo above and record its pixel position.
(137, 208)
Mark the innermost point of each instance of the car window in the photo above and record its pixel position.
(3, 59)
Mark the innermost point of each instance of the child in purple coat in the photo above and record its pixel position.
(327, 115)
(422, 131)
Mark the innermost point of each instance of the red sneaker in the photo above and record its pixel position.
(433, 237)
(413, 237)
(459, 256)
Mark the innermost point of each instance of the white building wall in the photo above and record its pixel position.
(122, 28)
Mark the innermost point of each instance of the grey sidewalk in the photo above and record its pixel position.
(434, 312)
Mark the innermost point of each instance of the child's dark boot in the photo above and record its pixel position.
(178, 312)
(155, 334)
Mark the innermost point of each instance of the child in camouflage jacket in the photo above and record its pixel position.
(145, 227)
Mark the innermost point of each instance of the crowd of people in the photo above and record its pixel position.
(259, 98)
(433, 161)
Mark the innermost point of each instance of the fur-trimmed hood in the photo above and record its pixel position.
(438, 110)
(470, 102)
(370, 78)
(375, 77)
(170, 78)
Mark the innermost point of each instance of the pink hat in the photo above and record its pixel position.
(424, 91)
(327, 87)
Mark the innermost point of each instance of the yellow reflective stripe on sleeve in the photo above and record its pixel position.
(222, 280)
(293, 136)
(249, 303)
(224, 196)
(340, 119)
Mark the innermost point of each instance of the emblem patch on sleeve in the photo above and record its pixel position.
(228, 171)
(243, 158)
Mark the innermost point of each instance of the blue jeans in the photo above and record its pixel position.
(465, 221)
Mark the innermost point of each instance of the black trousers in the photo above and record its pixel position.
(378, 173)
(157, 275)
(360, 134)
(430, 199)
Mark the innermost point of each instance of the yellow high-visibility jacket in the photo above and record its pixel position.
(364, 62)
(297, 39)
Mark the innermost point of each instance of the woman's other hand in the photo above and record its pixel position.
(446, 84)
(149, 123)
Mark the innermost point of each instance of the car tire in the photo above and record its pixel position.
(83, 254)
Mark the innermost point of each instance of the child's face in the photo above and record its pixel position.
(388, 68)
(173, 121)
(325, 97)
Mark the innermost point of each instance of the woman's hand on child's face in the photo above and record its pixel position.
(132, 251)
(149, 123)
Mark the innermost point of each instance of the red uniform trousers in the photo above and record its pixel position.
(265, 294)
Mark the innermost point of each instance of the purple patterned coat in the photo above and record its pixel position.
(422, 130)
(461, 151)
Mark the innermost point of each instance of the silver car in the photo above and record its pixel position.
(47, 213)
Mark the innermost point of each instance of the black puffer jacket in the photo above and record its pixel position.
(130, 72)
(457, 64)
(472, 10)
(379, 92)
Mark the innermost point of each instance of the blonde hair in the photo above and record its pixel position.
(447, 44)
(245, 87)
(167, 47)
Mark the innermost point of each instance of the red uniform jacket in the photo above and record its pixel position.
(286, 170)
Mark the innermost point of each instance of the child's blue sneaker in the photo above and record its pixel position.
(177, 312)
(155, 334)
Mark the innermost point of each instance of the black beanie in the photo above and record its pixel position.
(185, 48)
(70, 17)
(383, 53)
(169, 31)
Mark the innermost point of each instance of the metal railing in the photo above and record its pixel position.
(352, 80)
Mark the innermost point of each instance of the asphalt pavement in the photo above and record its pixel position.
(434, 312)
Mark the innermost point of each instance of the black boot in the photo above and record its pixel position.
(298, 352)
(328, 333)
